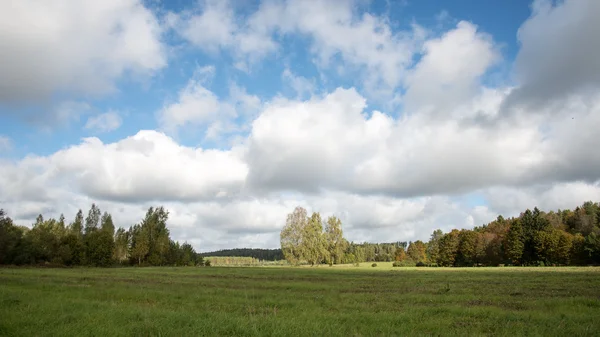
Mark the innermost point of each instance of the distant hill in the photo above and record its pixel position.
(261, 254)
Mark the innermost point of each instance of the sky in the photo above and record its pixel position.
(399, 117)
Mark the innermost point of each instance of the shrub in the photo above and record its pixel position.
(397, 264)
(420, 264)
(374, 265)
(207, 263)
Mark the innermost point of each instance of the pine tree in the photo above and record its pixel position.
(515, 243)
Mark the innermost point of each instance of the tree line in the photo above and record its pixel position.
(534, 238)
(563, 237)
(257, 253)
(93, 241)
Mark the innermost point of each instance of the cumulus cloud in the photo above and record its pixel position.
(554, 196)
(390, 175)
(197, 106)
(558, 54)
(365, 42)
(146, 166)
(74, 47)
(333, 142)
(106, 122)
(214, 26)
(449, 71)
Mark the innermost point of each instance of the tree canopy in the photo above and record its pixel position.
(562, 237)
(93, 241)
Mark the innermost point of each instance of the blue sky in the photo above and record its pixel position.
(406, 108)
(137, 102)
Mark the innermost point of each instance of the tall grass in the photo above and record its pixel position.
(323, 301)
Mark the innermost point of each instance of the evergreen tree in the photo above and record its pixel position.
(514, 244)
(417, 251)
(433, 247)
(77, 225)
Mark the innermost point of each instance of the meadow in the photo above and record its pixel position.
(304, 301)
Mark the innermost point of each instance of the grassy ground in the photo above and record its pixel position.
(323, 301)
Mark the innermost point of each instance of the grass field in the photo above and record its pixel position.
(279, 301)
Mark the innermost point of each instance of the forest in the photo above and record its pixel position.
(534, 238)
(93, 241)
(257, 253)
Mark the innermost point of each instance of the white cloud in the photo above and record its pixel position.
(558, 54)
(548, 197)
(333, 142)
(365, 42)
(74, 47)
(106, 122)
(214, 26)
(197, 106)
(146, 166)
(448, 73)
(361, 40)
(389, 176)
(301, 85)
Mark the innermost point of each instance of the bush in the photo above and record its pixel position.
(207, 263)
(420, 264)
(374, 265)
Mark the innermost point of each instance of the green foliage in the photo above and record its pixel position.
(257, 253)
(50, 241)
(99, 248)
(515, 242)
(239, 261)
(374, 265)
(291, 236)
(467, 254)
(592, 245)
(93, 220)
(313, 240)
(400, 254)
(10, 238)
(534, 238)
(433, 247)
(417, 251)
(76, 226)
(448, 248)
(335, 244)
(303, 239)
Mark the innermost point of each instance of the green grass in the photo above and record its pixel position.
(279, 301)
